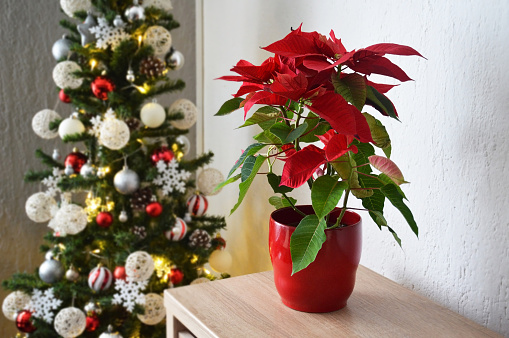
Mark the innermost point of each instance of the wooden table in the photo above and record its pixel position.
(249, 306)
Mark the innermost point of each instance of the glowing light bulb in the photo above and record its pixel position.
(93, 63)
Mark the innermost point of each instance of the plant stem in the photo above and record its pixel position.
(343, 210)
(293, 206)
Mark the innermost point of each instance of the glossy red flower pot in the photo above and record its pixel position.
(327, 283)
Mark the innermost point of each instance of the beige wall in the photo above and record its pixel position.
(28, 30)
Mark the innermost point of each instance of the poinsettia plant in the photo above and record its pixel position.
(313, 92)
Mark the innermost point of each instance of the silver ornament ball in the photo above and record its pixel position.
(87, 170)
(130, 76)
(69, 170)
(134, 13)
(56, 155)
(61, 48)
(118, 22)
(175, 60)
(123, 216)
(51, 271)
(49, 255)
(72, 275)
(126, 181)
(93, 307)
(185, 144)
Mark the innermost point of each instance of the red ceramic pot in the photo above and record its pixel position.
(327, 283)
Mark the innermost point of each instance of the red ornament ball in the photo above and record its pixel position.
(101, 87)
(162, 154)
(104, 219)
(119, 273)
(23, 322)
(176, 276)
(76, 160)
(221, 243)
(63, 96)
(154, 209)
(92, 323)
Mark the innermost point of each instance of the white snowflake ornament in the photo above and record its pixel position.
(43, 303)
(170, 178)
(51, 182)
(129, 293)
(107, 35)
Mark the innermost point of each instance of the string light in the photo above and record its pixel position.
(93, 63)
(162, 267)
(143, 89)
(194, 259)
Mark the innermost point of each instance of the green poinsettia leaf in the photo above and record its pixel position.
(281, 130)
(378, 132)
(325, 194)
(380, 102)
(267, 137)
(267, 110)
(393, 195)
(229, 106)
(280, 202)
(315, 127)
(251, 166)
(387, 151)
(296, 133)
(226, 182)
(251, 150)
(275, 181)
(306, 241)
(260, 119)
(352, 87)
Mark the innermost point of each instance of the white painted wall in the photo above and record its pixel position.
(452, 143)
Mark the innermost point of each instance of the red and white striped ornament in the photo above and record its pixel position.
(178, 232)
(197, 205)
(100, 278)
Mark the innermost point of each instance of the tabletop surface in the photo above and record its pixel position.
(249, 306)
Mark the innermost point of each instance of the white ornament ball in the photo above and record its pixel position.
(13, 303)
(139, 266)
(110, 333)
(178, 232)
(159, 38)
(88, 170)
(70, 126)
(126, 181)
(114, 134)
(70, 322)
(123, 216)
(40, 207)
(70, 220)
(154, 310)
(63, 75)
(161, 4)
(189, 110)
(220, 260)
(152, 115)
(208, 180)
(72, 275)
(41, 122)
(176, 60)
(200, 280)
(100, 278)
(72, 6)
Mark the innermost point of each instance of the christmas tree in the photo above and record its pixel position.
(126, 218)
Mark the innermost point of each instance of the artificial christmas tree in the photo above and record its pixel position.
(127, 220)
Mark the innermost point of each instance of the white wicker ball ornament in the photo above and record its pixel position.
(152, 115)
(208, 180)
(220, 260)
(139, 266)
(186, 107)
(70, 126)
(161, 4)
(70, 322)
(159, 38)
(154, 310)
(69, 220)
(13, 303)
(114, 134)
(40, 207)
(100, 278)
(72, 6)
(63, 75)
(200, 280)
(41, 122)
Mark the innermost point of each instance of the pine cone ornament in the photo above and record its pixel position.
(200, 239)
(141, 198)
(152, 66)
(140, 231)
(133, 123)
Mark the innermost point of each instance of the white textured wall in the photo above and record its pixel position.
(29, 28)
(452, 143)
